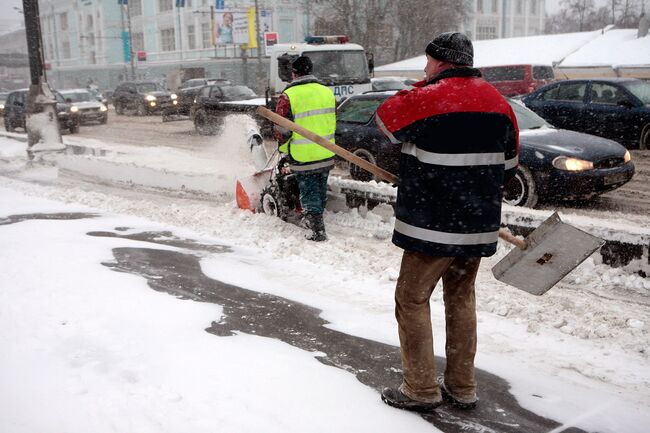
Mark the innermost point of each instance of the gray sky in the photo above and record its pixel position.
(10, 18)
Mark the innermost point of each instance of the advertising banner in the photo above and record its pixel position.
(237, 26)
(270, 39)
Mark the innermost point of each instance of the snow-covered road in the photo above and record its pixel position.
(584, 345)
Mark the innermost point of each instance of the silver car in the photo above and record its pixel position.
(86, 104)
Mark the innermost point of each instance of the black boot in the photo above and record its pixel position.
(317, 226)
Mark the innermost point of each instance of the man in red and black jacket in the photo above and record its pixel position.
(459, 141)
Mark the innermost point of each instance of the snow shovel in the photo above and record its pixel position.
(546, 256)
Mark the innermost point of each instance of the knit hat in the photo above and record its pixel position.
(452, 47)
(302, 65)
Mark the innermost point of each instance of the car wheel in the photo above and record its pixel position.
(521, 190)
(74, 128)
(119, 110)
(358, 173)
(9, 126)
(202, 123)
(141, 110)
(644, 142)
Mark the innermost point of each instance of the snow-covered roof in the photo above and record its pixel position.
(597, 48)
(615, 48)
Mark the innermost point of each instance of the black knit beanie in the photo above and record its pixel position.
(452, 47)
(302, 65)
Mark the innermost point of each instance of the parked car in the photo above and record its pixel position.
(90, 109)
(144, 97)
(614, 108)
(15, 112)
(553, 163)
(3, 98)
(187, 93)
(512, 80)
(207, 113)
(381, 84)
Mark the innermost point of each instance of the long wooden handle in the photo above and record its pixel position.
(509, 237)
(349, 156)
(372, 168)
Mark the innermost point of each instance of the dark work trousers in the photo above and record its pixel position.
(418, 276)
(313, 191)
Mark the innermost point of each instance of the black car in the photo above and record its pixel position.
(15, 112)
(553, 163)
(188, 91)
(208, 110)
(144, 97)
(615, 108)
(382, 84)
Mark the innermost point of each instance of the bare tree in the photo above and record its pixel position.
(581, 15)
(418, 21)
(580, 9)
(364, 21)
(392, 30)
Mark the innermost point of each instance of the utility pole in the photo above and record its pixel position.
(214, 30)
(260, 68)
(128, 20)
(42, 123)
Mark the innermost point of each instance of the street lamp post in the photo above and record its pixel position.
(42, 123)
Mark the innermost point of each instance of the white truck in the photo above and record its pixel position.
(342, 66)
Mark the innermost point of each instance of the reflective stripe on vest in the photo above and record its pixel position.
(313, 107)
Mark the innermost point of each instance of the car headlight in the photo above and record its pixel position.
(103, 108)
(627, 157)
(74, 109)
(174, 96)
(572, 164)
(2, 106)
(150, 98)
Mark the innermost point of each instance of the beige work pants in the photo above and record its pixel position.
(418, 276)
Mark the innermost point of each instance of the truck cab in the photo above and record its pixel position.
(341, 66)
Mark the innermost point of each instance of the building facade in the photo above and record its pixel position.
(103, 42)
(495, 19)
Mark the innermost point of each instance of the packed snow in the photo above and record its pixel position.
(89, 349)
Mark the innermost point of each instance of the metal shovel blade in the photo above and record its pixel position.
(554, 249)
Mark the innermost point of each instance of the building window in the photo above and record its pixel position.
(206, 31)
(533, 7)
(165, 5)
(65, 48)
(486, 32)
(495, 6)
(135, 8)
(138, 41)
(191, 38)
(479, 6)
(520, 7)
(63, 19)
(167, 40)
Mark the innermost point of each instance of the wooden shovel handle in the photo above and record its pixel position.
(509, 237)
(349, 156)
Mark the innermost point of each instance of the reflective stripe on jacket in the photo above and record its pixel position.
(313, 107)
